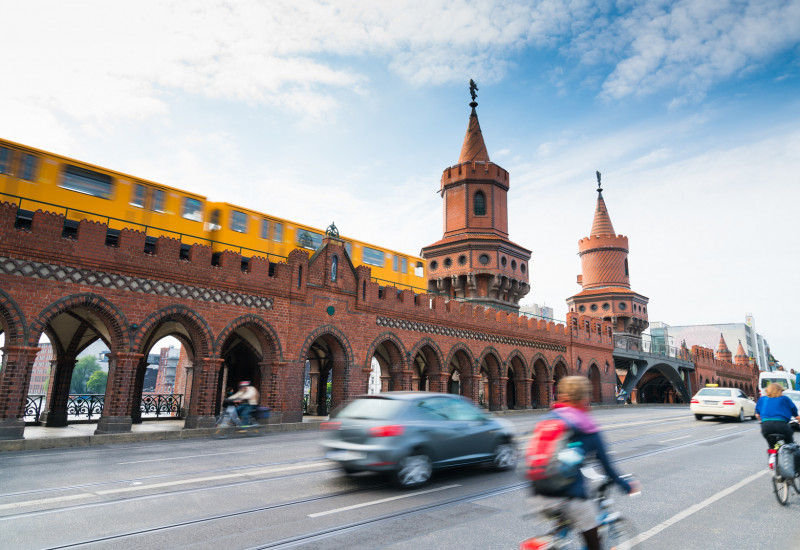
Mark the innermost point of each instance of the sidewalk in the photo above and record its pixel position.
(80, 435)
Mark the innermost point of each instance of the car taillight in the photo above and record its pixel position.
(697, 401)
(386, 431)
(729, 402)
(330, 426)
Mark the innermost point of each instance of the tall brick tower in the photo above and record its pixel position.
(604, 277)
(474, 260)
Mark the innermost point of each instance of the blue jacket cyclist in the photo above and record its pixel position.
(775, 410)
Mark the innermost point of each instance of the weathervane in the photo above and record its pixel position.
(473, 88)
(599, 185)
(332, 231)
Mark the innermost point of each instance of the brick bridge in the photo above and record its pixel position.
(260, 321)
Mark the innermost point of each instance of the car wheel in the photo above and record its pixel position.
(699, 416)
(414, 470)
(741, 415)
(504, 456)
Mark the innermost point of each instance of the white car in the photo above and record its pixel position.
(715, 401)
(794, 395)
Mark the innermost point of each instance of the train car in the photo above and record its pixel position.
(35, 179)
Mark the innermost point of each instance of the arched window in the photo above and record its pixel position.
(480, 204)
(334, 267)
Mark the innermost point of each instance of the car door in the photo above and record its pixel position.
(748, 405)
(475, 438)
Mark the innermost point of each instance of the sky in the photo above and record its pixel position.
(348, 111)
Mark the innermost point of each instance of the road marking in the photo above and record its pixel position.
(248, 473)
(675, 439)
(691, 510)
(187, 456)
(381, 501)
(728, 428)
(44, 501)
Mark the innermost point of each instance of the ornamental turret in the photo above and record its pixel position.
(475, 260)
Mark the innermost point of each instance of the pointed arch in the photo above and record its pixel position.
(266, 335)
(13, 320)
(199, 334)
(112, 319)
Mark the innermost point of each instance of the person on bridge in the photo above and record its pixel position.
(247, 397)
(573, 397)
(775, 410)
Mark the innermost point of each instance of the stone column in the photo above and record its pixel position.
(15, 377)
(136, 404)
(58, 393)
(204, 391)
(527, 402)
(120, 391)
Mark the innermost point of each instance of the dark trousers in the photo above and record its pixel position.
(777, 427)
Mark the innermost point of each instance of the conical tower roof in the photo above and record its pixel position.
(474, 149)
(602, 222)
(741, 355)
(723, 345)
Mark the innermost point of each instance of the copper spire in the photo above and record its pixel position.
(602, 222)
(474, 149)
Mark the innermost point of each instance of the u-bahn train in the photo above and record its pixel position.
(35, 179)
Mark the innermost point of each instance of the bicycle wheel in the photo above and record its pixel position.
(224, 427)
(617, 535)
(781, 487)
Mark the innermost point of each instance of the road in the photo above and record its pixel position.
(705, 485)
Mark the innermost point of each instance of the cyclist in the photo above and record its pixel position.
(573, 393)
(775, 410)
(247, 398)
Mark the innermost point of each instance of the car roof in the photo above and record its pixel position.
(405, 395)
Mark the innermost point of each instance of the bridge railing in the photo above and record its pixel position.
(89, 406)
(645, 345)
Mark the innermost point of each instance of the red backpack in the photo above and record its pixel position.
(553, 460)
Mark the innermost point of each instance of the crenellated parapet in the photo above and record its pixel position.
(481, 170)
(709, 367)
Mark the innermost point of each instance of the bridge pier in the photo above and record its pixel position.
(14, 380)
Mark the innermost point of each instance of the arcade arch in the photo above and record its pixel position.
(327, 356)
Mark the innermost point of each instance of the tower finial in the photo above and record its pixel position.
(473, 88)
(599, 185)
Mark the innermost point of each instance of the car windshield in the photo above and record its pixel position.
(794, 396)
(714, 392)
(372, 408)
(780, 381)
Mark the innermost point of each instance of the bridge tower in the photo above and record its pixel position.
(605, 280)
(475, 260)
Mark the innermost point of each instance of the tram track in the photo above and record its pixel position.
(299, 540)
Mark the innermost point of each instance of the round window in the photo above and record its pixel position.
(594, 307)
(622, 306)
(514, 265)
(606, 306)
(522, 267)
(434, 265)
(503, 261)
(448, 262)
(484, 259)
(582, 308)
(462, 260)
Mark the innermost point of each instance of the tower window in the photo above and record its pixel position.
(626, 267)
(480, 204)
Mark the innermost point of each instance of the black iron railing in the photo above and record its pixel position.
(90, 406)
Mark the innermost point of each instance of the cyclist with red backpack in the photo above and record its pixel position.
(560, 443)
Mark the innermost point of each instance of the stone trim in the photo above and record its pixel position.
(462, 334)
(91, 277)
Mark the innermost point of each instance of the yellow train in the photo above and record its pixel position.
(35, 179)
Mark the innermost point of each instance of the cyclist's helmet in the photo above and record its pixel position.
(244, 383)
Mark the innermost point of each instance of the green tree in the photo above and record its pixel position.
(82, 372)
(97, 382)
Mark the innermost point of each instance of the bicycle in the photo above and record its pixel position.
(615, 531)
(229, 422)
(781, 483)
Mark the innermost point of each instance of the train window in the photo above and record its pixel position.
(419, 270)
(277, 232)
(5, 160)
(309, 239)
(400, 264)
(348, 246)
(372, 256)
(265, 229)
(138, 195)
(239, 221)
(29, 165)
(86, 181)
(215, 224)
(159, 198)
(192, 209)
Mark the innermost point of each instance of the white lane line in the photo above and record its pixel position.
(675, 439)
(691, 510)
(44, 501)
(182, 457)
(381, 501)
(728, 428)
(248, 473)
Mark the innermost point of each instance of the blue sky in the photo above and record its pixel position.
(348, 111)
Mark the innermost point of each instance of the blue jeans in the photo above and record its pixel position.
(245, 411)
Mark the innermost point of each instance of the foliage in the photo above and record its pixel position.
(82, 372)
(97, 382)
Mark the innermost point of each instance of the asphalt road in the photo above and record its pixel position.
(705, 486)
